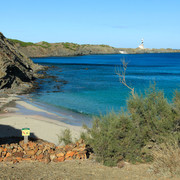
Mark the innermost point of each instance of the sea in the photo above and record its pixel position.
(81, 87)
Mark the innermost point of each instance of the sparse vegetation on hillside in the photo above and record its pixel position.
(21, 43)
(71, 46)
(103, 45)
(45, 44)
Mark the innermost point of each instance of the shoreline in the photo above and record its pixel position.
(42, 123)
(51, 56)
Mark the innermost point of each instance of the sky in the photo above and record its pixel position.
(118, 23)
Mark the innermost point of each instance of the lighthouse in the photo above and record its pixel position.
(141, 46)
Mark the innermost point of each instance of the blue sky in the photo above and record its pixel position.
(114, 22)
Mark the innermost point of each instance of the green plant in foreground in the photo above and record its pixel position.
(149, 120)
(65, 137)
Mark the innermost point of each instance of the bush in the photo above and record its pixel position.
(152, 116)
(65, 137)
(108, 134)
(149, 120)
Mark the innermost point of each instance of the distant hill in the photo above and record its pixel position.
(45, 49)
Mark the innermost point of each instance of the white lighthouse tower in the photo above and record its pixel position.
(141, 46)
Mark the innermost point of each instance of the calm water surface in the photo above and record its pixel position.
(89, 85)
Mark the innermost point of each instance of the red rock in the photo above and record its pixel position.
(39, 152)
(45, 150)
(21, 143)
(81, 156)
(68, 148)
(26, 159)
(41, 147)
(31, 144)
(47, 159)
(51, 151)
(30, 153)
(3, 154)
(5, 149)
(18, 159)
(55, 159)
(40, 156)
(69, 154)
(60, 159)
(18, 154)
(14, 150)
(69, 158)
(41, 160)
(1, 159)
(8, 159)
(8, 154)
(78, 156)
(60, 154)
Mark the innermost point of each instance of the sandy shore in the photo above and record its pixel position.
(42, 126)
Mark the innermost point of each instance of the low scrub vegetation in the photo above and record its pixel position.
(66, 137)
(148, 121)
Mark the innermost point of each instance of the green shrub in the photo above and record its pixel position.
(111, 138)
(152, 115)
(149, 120)
(65, 137)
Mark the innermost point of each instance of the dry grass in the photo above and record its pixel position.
(167, 160)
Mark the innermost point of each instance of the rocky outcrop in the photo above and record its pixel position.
(64, 49)
(17, 71)
(42, 151)
(45, 49)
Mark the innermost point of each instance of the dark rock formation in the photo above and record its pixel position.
(17, 71)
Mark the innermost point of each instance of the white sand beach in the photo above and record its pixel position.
(40, 126)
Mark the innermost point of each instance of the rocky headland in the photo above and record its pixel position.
(45, 49)
(17, 71)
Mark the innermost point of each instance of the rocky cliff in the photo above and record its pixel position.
(17, 71)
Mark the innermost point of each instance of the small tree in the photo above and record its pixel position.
(122, 76)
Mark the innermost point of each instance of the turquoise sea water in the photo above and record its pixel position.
(89, 85)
